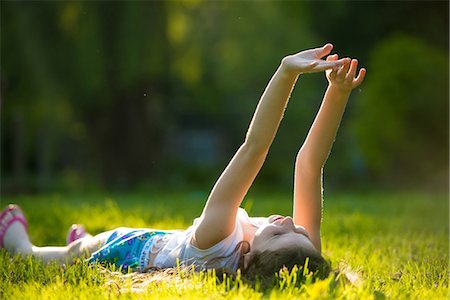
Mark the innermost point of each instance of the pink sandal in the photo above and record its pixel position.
(9, 215)
(75, 232)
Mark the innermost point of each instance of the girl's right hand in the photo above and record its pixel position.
(309, 61)
(344, 78)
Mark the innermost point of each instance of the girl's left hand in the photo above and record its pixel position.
(310, 61)
(344, 77)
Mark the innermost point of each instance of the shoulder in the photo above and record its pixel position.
(221, 247)
(244, 218)
(221, 254)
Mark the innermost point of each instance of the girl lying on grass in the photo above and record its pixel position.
(224, 237)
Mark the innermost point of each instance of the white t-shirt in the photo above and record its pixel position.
(178, 246)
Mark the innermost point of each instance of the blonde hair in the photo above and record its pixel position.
(263, 266)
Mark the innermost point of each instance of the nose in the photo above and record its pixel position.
(288, 222)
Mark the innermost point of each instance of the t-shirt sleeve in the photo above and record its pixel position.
(220, 255)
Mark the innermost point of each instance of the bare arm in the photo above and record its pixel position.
(317, 146)
(219, 215)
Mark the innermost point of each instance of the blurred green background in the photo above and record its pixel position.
(136, 95)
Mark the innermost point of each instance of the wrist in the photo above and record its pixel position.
(339, 89)
(337, 94)
(287, 70)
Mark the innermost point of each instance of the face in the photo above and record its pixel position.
(281, 232)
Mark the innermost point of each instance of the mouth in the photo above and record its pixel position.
(278, 219)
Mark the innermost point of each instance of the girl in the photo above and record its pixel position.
(224, 237)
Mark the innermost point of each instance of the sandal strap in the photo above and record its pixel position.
(76, 231)
(5, 222)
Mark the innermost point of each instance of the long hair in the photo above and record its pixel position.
(263, 266)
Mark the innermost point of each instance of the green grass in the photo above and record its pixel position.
(394, 245)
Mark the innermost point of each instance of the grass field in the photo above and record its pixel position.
(393, 246)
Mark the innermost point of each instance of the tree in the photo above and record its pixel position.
(401, 118)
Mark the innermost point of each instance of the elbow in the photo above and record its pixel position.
(309, 166)
(255, 149)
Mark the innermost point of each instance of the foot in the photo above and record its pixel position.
(75, 232)
(13, 228)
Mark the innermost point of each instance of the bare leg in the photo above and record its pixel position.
(14, 237)
(63, 255)
(80, 248)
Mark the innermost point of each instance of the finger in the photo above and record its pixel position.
(352, 70)
(333, 57)
(333, 73)
(358, 80)
(338, 62)
(344, 69)
(341, 62)
(325, 65)
(313, 64)
(324, 50)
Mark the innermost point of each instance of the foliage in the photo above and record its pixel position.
(126, 93)
(398, 122)
(387, 245)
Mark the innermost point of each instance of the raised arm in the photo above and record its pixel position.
(219, 215)
(317, 146)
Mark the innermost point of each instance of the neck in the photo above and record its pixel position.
(249, 232)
